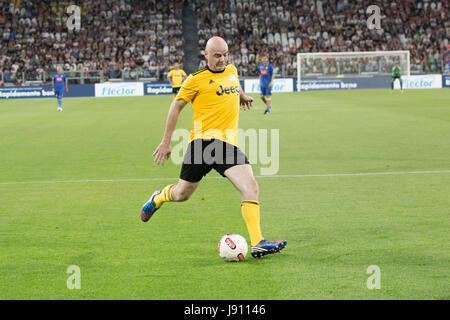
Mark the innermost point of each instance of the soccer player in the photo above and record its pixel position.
(266, 77)
(176, 78)
(396, 74)
(216, 96)
(59, 84)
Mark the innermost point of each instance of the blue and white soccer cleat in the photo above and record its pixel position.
(149, 207)
(265, 247)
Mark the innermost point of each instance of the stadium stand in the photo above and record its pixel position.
(131, 39)
(125, 39)
(284, 27)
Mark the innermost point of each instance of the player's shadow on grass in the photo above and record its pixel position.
(277, 258)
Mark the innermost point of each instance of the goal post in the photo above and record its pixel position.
(350, 64)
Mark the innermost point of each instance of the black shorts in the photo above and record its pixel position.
(175, 90)
(203, 155)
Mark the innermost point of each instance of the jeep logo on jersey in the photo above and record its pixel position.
(230, 243)
(228, 90)
(59, 79)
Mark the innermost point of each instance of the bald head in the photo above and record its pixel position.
(59, 69)
(216, 53)
(216, 43)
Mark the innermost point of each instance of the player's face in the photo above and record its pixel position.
(58, 69)
(217, 59)
(176, 66)
(264, 60)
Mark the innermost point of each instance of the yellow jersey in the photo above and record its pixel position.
(215, 101)
(177, 77)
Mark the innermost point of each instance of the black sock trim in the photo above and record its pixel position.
(251, 202)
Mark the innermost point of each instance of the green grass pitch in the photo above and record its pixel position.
(55, 213)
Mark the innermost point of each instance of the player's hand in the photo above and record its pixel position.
(246, 102)
(270, 85)
(53, 89)
(162, 153)
(67, 89)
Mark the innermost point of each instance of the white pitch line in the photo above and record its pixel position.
(259, 177)
(352, 174)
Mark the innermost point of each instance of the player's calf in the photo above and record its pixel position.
(263, 98)
(268, 105)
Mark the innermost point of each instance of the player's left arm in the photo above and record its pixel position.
(67, 84)
(245, 101)
(271, 79)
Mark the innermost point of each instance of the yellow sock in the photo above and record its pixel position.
(164, 196)
(250, 212)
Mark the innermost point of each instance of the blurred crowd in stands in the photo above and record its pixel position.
(138, 38)
(282, 28)
(133, 39)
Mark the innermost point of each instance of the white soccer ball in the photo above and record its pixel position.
(232, 247)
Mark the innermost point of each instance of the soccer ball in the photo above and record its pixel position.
(232, 247)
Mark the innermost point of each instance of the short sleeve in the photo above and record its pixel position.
(234, 71)
(188, 89)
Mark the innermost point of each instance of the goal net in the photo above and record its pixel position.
(350, 64)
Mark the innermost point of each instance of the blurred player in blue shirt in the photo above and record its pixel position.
(266, 77)
(59, 84)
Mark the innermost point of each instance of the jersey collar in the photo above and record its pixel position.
(215, 71)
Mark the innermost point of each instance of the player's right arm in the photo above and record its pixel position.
(186, 94)
(162, 152)
(53, 83)
(169, 77)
